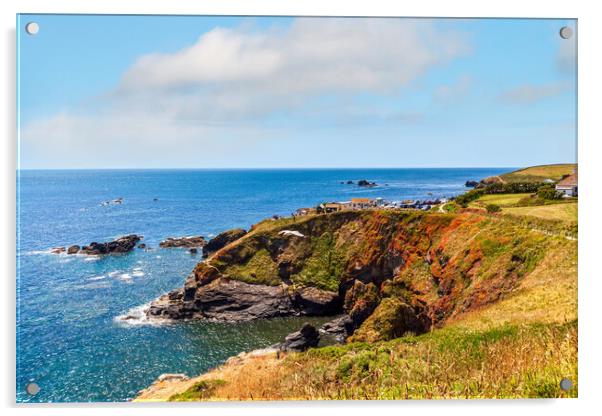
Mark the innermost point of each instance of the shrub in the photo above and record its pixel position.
(493, 208)
(548, 192)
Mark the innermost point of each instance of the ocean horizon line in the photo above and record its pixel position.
(271, 168)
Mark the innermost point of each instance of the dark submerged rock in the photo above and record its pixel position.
(193, 250)
(142, 245)
(307, 337)
(221, 240)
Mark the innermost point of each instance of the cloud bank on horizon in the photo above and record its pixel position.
(319, 92)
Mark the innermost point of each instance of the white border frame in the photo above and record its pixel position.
(590, 68)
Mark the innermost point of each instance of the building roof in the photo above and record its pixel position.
(360, 200)
(570, 180)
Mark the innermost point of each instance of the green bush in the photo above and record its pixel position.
(492, 208)
(548, 192)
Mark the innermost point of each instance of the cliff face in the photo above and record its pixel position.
(391, 272)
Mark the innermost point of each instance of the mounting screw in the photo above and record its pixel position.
(566, 384)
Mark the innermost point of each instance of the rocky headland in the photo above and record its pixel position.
(388, 273)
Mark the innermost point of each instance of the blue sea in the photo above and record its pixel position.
(69, 340)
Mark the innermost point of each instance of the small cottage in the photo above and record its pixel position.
(568, 186)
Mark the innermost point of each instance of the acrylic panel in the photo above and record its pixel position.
(280, 208)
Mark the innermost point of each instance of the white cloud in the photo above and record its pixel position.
(172, 106)
(239, 72)
(528, 94)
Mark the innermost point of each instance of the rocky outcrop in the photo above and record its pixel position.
(366, 184)
(301, 340)
(390, 272)
(313, 301)
(339, 328)
(471, 184)
(187, 242)
(221, 240)
(225, 300)
(118, 246)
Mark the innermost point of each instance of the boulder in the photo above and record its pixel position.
(193, 250)
(73, 249)
(471, 184)
(307, 337)
(340, 328)
(189, 242)
(314, 301)
(142, 245)
(221, 240)
(121, 245)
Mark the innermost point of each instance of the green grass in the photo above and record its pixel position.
(199, 391)
(260, 269)
(503, 200)
(539, 173)
(324, 267)
(566, 212)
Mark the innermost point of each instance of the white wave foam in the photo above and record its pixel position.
(97, 277)
(138, 273)
(137, 317)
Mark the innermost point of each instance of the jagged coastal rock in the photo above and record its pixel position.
(120, 245)
(340, 328)
(388, 273)
(221, 240)
(471, 184)
(301, 340)
(188, 242)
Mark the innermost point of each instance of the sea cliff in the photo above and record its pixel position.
(395, 274)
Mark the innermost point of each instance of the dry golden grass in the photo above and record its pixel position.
(539, 173)
(564, 212)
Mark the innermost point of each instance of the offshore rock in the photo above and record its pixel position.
(188, 242)
(120, 245)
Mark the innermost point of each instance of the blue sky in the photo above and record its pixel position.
(207, 92)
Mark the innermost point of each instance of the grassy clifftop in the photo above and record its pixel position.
(537, 173)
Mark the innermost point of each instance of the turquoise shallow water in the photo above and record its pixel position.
(68, 338)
